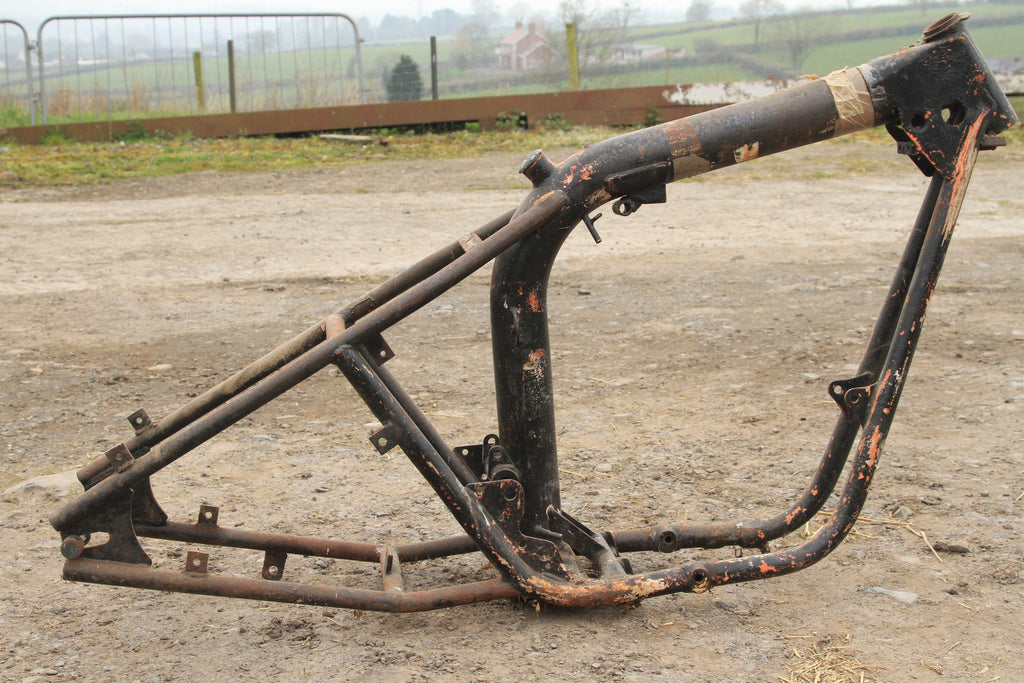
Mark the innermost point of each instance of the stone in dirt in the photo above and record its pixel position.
(54, 485)
(906, 597)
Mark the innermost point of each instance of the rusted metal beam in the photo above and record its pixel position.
(204, 583)
(614, 107)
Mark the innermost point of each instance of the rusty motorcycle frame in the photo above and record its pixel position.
(939, 102)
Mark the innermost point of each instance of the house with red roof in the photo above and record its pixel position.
(524, 49)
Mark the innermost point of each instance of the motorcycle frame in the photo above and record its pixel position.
(937, 99)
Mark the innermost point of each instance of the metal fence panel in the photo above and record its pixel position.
(140, 66)
(15, 75)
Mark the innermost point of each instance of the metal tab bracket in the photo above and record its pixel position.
(208, 515)
(197, 562)
(139, 420)
(120, 457)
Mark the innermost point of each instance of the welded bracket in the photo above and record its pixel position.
(852, 395)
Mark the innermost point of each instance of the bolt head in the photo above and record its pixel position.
(72, 547)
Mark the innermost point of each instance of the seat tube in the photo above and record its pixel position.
(522, 366)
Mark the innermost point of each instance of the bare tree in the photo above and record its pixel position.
(472, 46)
(260, 42)
(800, 32)
(618, 20)
(757, 11)
(485, 13)
(519, 12)
(596, 34)
(699, 10)
(923, 5)
(578, 12)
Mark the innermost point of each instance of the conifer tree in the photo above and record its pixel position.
(404, 83)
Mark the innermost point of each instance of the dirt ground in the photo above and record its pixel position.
(692, 350)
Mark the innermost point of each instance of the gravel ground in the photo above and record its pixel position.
(692, 349)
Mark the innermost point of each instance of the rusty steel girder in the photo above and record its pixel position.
(939, 102)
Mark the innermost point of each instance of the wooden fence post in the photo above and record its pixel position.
(197, 65)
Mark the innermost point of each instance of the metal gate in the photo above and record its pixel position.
(16, 69)
(137, 66)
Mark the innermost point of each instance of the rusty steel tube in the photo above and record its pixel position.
(884, 403)
(212, 397)
(400, 282)
(492, 541)
(303, 367)
(256, 540)
(714, 139)
(432, 550)
(304, 545)
(757, 533)
(456, 463)
(293, 348)
(517, 522)
(841, 103)
(139, 576)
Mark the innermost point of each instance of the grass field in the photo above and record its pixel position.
(64, 162)
(283, 80)
(995, 42)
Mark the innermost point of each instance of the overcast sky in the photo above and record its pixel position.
(30, 13)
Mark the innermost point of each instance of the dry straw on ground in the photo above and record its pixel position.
(826, 661)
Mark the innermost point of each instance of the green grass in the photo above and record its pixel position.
(726, 35)
(1015, 136)
(13, 115)
(690, 74)
(994, 42)
(64, 162)
(662, 76)
(914, 21)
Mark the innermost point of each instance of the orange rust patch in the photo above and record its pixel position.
(534, 302)
(570, 176)
(533, 364)
(747, 152)
(682, 138)
(875, 449)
